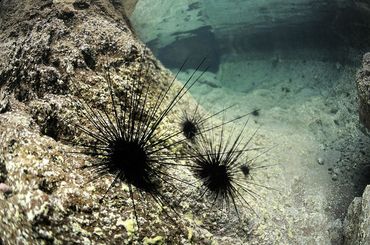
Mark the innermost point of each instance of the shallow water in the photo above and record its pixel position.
(295, 61)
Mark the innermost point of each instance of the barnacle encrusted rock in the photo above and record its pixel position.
(52, 53)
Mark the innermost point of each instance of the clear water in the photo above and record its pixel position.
(296, 61)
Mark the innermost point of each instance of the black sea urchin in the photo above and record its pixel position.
(193, 123)
(218, 164)
(128, 143)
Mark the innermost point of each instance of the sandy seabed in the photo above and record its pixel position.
(308, 126)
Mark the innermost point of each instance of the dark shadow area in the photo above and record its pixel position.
(200, 43)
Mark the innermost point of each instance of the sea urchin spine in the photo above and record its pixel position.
(128, 144)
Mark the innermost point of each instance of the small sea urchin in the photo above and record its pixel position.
(193, 123)
(219, 164)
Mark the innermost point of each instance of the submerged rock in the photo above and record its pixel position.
(4, 101)
(363, 89)
(357, 222)
(51, 53)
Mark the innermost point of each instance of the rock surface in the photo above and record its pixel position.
(52, 52)
(363, 88)
(357, 222)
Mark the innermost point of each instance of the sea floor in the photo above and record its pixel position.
(307, 124)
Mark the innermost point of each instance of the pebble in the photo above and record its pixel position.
(5, 188)
(334, 177)
(320, 161)
(336, 171)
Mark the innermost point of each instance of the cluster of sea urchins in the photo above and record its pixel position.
(128, 144)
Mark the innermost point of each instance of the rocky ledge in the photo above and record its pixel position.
(363, 88)
(357, 222)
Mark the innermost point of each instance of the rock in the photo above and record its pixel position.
(81, 4)
(158, 240)
(51, 54)
(4, 101)
(320, 161)
(334, 177)
(129, 6)
(336, 232)
(3, 171)
(363, 90)
(5, 188)
(357, 222)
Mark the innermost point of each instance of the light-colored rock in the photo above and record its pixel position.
(5, 188)
(52, 52)
(363, 89)
(357, 221)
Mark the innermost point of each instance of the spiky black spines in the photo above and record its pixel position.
(121, 146)
(219, 164)
(191, 123)
(195, 123)
(190, 128)
(127, 140)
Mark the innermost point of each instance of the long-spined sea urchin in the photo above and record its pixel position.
(219, 165)
(128, 143)
(194, 123)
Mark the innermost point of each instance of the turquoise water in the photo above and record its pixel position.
(296, 61)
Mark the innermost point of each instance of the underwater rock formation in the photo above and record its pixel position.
(363, 88)
(357, 222)
(50, 52)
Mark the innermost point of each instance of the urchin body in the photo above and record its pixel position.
(131, 161)
(190, 128)
(216, 177)
(127, 144)
(127, 141)
(218, 163)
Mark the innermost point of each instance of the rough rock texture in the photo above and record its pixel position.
(363, 88)
(357, 222)
(51, 53)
